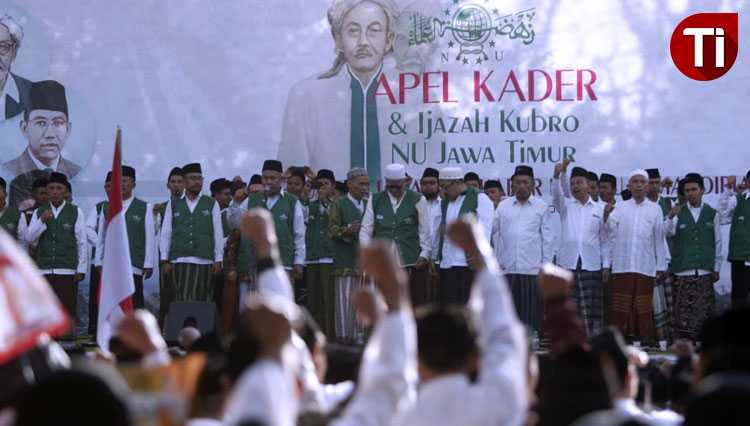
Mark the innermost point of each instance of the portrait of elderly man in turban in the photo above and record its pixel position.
(14, 90)
(331, 118)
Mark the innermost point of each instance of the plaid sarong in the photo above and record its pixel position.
(587, 292)
(527, 300)
(321, 295)
(695, 301)
(662, 319)
(348, 327)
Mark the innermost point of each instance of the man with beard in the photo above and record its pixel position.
(431, 192)
(638, 256)
(523, 240)
(191, 242)
(695, 229)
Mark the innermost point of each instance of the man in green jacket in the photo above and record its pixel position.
(192, 242)
(735, 209)
(344, 223)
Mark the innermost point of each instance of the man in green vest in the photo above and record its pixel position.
(288, 219)
(192, 242)
(735, 209)
(400, 215)
(319, 252)
(296, 182)
(58, 231)
(38, 195)
(92, 231)
(459, 199)
(176, 187)
(695, 229)
(141, 234)
(11, 219)
(225, 290)
(344, 223)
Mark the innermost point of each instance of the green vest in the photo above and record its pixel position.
(135, 221)
(57, 248)
(9, 221)
(694, 244)
(739, 233)
(468, 206)
(283, 217)
(401, 226)
(318, 243)
(665, 205)
(192, 233)
(345, 250)
(99, 207)
(163, 210)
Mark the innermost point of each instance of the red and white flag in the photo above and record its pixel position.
(29, 309)
(116, 285)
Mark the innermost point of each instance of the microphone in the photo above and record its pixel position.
(266, 190)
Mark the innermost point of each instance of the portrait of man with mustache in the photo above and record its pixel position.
(334, 119)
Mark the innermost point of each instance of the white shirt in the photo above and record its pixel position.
(150, 240)
(523, 235)
(42, 166)
(236, 210)
(672, 226)
(436, 216)
(498, 396)
(425, 241)
(92, 219)
(583, 233)
(638, 245)
(10, 89)
(452, 255)
(37, 228)
(727, 204)
(165, 240)
(21, 227)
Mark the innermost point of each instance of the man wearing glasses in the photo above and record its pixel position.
(192, 240)
(459, 199)
(400, 215)
(14, 90)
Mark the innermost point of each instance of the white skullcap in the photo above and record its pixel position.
(395, 172)
(451, 173)
(637, 172)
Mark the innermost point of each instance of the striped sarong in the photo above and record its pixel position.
(662, 319)
(527, 300)
(586, 291)
(321, 296)
(192, 282)
(632, 305)
(695, 301)
(348, 326)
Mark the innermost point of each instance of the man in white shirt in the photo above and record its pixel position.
(431, 192)
(12, 220)
(736, 210)
(584, 244)
(695, 229)
(58, 231)
(523, 239)
(191, 243)
(447, 344)
(92, 231)
(458, 199)
(400, 215)
(139, 221)
(638, 256)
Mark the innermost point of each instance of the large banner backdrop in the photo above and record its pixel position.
(481, 84)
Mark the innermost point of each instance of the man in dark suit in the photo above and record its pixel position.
(45, 125)
(14, 90)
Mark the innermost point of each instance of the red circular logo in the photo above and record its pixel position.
(704, 45)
